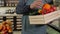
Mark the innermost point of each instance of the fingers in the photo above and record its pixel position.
(36, 3)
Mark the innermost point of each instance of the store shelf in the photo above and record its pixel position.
(6, 5)
(14, 20)
(7, 8)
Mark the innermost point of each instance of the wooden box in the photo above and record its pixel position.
(44, 19)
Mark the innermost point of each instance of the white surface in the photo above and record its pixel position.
(3, 9)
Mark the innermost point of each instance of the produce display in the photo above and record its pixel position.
(47, 8)
(5, 27)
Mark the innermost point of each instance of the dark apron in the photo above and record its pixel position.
(27, 28)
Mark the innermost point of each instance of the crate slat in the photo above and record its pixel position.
(18, 19)
(18, 28)
(10, 17)
(1, 17)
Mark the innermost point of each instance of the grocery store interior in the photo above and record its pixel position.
(7, 12)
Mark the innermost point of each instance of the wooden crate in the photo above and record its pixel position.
(44, 19)
(59, 13)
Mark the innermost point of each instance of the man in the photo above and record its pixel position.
(26, 7)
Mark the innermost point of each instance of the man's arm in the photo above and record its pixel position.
(22, 8)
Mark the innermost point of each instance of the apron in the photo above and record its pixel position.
(27, 28)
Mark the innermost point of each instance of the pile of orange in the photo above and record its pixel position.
(5, 27)
(45, 7)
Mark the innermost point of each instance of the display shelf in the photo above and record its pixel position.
(14, 19)
(6, 5)
(4, 9)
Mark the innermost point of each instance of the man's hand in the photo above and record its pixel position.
(36, 4)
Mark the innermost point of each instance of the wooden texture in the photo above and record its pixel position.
(44, 19)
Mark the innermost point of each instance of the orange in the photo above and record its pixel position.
(9, 22)
(10, 30)
(39, 11)
(0, 26)
(46, 6)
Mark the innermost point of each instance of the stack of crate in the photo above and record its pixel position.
(18, 23)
